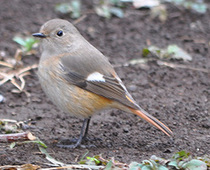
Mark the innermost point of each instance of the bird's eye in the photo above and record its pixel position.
(60, 33)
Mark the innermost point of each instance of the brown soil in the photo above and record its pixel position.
(179, 97)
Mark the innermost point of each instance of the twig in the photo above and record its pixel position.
(119, 164)
(80, 19)
(22, 79)
(163, 63)
(15, 84)
(18, 167)
(31, 166)
(17, 137)
(7, 77)
(90, 167)
(8, 120)
(20, 87)
(17, 74)
(18, 55)
(6, 64)
(26, 69)
(181, 66)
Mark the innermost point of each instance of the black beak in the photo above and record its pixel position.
(39, 35)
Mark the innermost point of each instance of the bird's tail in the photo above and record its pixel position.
(149, 118)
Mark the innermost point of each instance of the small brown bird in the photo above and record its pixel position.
(79, 79)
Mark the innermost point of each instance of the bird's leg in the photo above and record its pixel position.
(87, 128)
(83, 134)
(86, 133)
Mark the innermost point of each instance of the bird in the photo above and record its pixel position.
(80, 80)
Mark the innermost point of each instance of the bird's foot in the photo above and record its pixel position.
(74, 143)
(91, 139)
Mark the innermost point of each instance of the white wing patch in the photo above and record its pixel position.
(96, 76)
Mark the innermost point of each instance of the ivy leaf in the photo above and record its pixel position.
(173, 163)
(135, 166)
(195, 164)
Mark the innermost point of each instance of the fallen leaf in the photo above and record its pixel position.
(178, 53)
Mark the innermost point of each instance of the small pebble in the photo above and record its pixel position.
(115, 133)
(125, 130)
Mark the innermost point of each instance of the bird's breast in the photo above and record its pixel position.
(67, 97)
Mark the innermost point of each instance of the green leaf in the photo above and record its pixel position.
(117, 12)
(160, 162)
(19, 40)
(37, 142)
(157, 159)
(93, 159)
(183, 154)
(103, 11)
(145, 52)
(173, 163)
(161, 167)
(26, 43)
(178, 53)
(82, 160)
(12, 145)
(156, 51)
(205, 159)
(146, 167)
(40, 143)
(63, 8)
(135, 166)
(116, 3)
(200, 8)
(30, 41)
(50, 158)
(109, 165)
(195, 164)
(172, 51)
(148, 164)
(75, 9)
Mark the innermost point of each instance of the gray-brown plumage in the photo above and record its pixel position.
(78, 78)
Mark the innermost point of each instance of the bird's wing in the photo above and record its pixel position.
(106, 84)
(95, 79)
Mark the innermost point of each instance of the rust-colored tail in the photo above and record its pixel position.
(149, 118)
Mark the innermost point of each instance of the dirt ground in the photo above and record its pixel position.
(179, 97)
